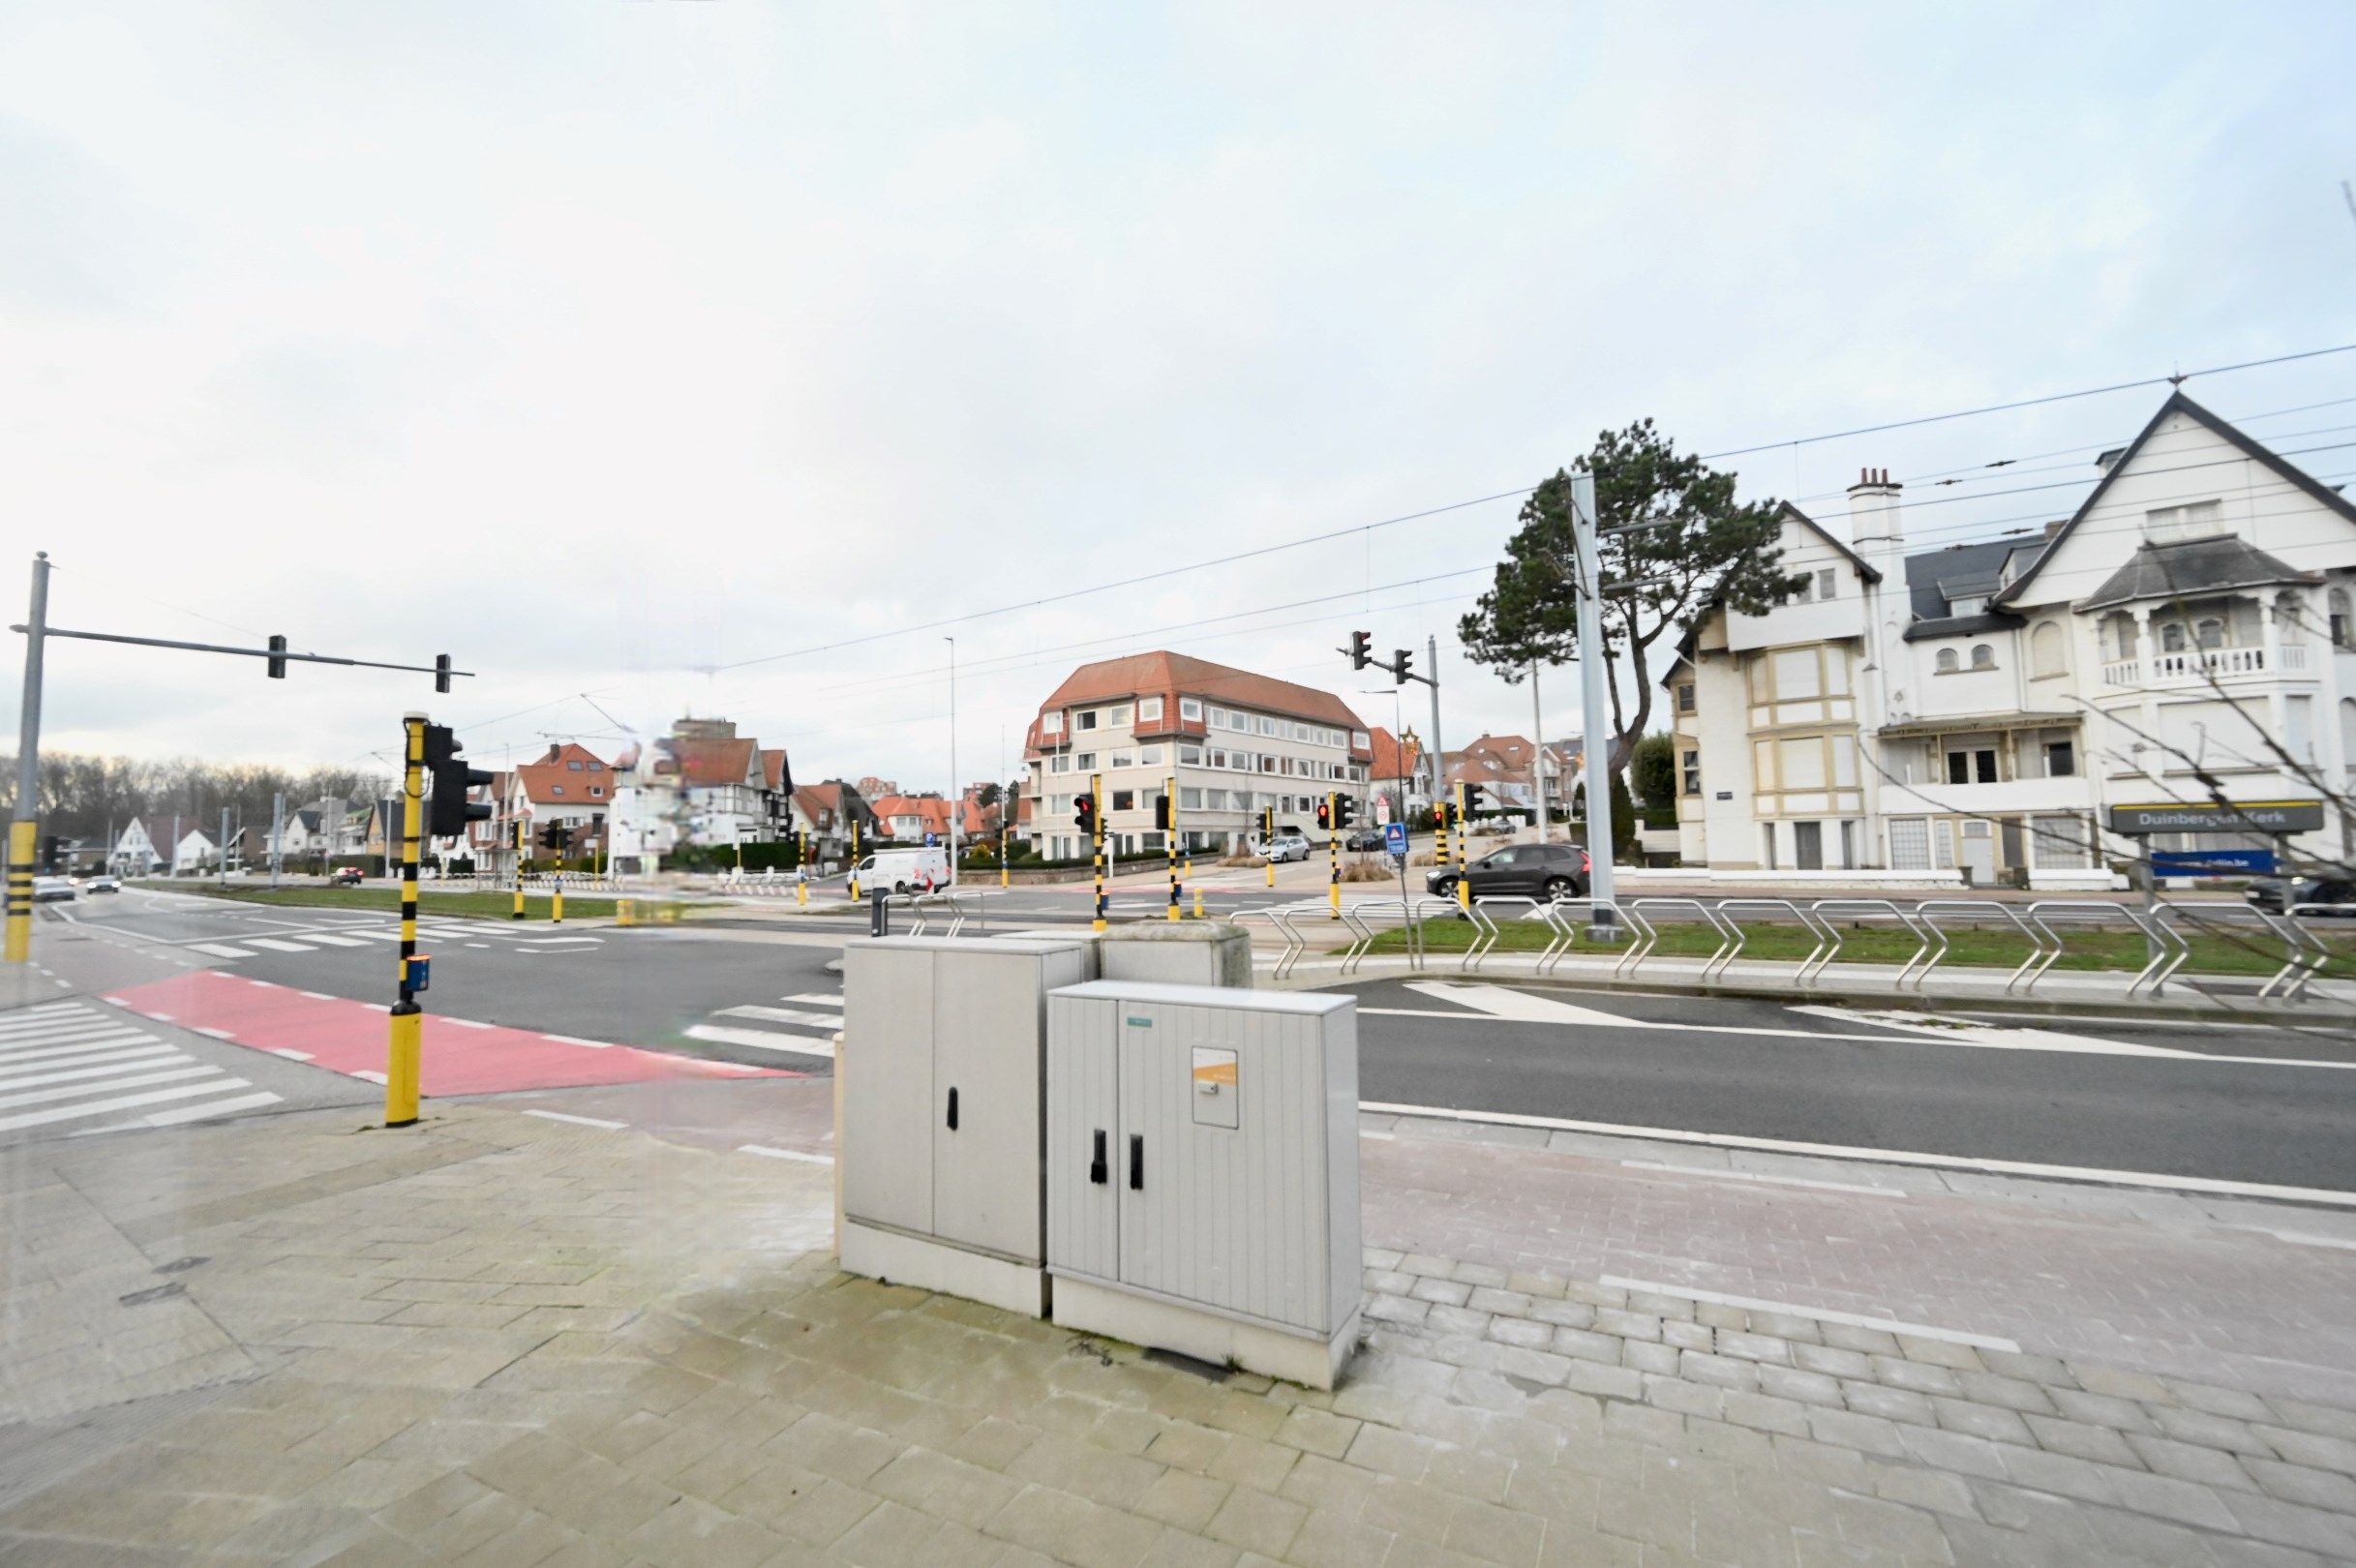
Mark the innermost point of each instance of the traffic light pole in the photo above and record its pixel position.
(1463, 860)
(855, 859)
(523, 848)
(1169, 837)
(1333, 856)
(1096, 797)
(406, 1049)
(24, 826)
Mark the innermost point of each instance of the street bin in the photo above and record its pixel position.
(943, 1078)
(1202, 1173)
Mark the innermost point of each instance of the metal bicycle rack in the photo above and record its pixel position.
(1730, 939)
(2216, 917)
(1821, 938)
(1983, 906)
(2034, 970)
(1558, 915)
(2307, 953)
(1486, 930)
(1279, 916)
(1829, 910)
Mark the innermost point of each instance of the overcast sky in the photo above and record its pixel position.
(606, 344)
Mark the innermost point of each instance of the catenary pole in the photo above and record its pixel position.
(957, 792)
(1538, 759)
(24, 825)
(1439, 757)
(1594, 684)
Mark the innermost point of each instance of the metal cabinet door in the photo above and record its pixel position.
(888, 1072)
(988, 1013)
(1223, 1204)
(1084, 1167)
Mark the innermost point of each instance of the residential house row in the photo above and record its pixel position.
(1977, 706)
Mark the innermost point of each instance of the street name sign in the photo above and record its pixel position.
(2209, 817)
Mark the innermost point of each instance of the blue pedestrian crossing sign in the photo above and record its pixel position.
(930, 839)
(1395, 837)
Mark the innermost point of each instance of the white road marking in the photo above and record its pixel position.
(818, 999)
(274, 945)
(1927, 1027)
(143, 1080)
(108, 1067)
(218, 1033)
(372, 1077)
(223, 1107)
(1763, 1176)
(82, 1050)
(67, 1114)
(319, 996)
(219, 950)
(578, 1121)
(823, 1021)
(574, 1040)
(761, 1040)
(291, 1055)
(1822, 1315)
(784, 1154)
(557, 942)
(1886, 1157)
(335, 941)
(88, 1034)
(468, 1023)
(2303, 1238)
(1502, 1002)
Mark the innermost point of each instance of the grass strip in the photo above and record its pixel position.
(483, 906)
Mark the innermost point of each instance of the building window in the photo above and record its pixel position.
(1148, 709)
(1117, 716)
(1051, 723)
(573, 766)
(1085, 761)
(1693, 773)
(1686, 698)
(1827, 582)
(1122, 759)
(2060, 843)
(2060, 759)
(1983, 657)
(1190, 707)
(1189, 800)
(1910, 844)
(2209, 632)
(2196, 520)
(1060, 762)
(1946, 661)
(597, 790)
(555, 789)
(1360, 740)
(1978, 767)
(1190, 757)
(1124, 800)
(1088, 719)
(2343, 624)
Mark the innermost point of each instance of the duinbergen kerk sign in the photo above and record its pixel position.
(2211, 817)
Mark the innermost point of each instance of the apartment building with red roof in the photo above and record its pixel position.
(1236, 743)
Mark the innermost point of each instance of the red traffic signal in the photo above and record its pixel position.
(1325, 814)
(1083, 812)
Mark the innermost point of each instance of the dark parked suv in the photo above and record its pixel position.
(2332, 891)
(1522, 871)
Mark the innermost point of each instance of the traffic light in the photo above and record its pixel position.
(1472, 798)
(557, 836)
(1083, 813)
(1361, 653)
(441, 672)
(51, 848)
(1345, 811)
(1403, 665)
(452, 779)
(1325, 815)
(1161, 812)
(274, 666)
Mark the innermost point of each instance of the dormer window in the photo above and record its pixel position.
(2194, 520)
(1967, 607)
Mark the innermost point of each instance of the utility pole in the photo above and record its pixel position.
(1537, 761)
(1594, 682)
(956, 791)
(221, 856)
(23, 829)
(278, 835)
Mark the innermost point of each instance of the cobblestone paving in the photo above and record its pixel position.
(501, 1340)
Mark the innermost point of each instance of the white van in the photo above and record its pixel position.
(916, 869)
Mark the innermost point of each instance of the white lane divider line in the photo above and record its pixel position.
(318, 996)
(578, 1121)
(1822, 1315)
(784, 1154)
(2154, 1179)
(1763, 1176)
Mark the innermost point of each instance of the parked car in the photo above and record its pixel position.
(1287, 845)
(1364, 839)
(1521, 872)
(104, 882)
(345, 876)
(54, 890)
(1491, 827)
(2338, 892)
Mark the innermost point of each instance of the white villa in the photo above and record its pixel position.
(1975, 708)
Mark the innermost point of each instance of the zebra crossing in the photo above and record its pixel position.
(361, 936)
(805, 1024)
(69, 1062)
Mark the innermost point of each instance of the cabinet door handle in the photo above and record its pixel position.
(1096, 1166)
(953, 1110)
(1136, 1161)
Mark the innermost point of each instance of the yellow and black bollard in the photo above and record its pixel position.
(23, 842)
(405, 1051)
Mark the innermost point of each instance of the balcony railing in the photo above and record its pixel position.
(2201, 665)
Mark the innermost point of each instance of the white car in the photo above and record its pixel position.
(104, 881)
(1286, 846)
(54, 890)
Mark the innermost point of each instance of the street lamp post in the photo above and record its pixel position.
(956, 800)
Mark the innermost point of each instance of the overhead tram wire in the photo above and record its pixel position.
(1516, 492)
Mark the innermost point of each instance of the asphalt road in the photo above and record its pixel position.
(2239, 1105)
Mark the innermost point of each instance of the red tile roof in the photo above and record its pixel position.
(705, 764)
(553, 773)
(774, 771)
(1392, 758)
(1171, 676)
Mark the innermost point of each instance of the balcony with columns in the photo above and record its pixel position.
(2225, 640)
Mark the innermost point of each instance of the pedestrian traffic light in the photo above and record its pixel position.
(274, 666)
(1361, 653)
(1083, 813)
(1403, 665)
(441, 672)
(1345, 811)
(1325, 815)
(1162, 813)
(1472, 798)
(452, 780)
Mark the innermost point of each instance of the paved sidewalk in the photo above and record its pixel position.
(496, 1338)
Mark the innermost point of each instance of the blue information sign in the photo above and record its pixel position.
(1395, 837)
(2212, 863)
(930, 839)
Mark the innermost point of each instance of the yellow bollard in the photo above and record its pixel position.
(400, 1066)
(1198, 904)
(555, 906)
(21, 851)
(625, 913)
(802, 894)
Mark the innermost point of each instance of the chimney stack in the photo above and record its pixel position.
(1873, 514)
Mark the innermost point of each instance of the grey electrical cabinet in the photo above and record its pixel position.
(1202, 1173)
(943, 1083)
